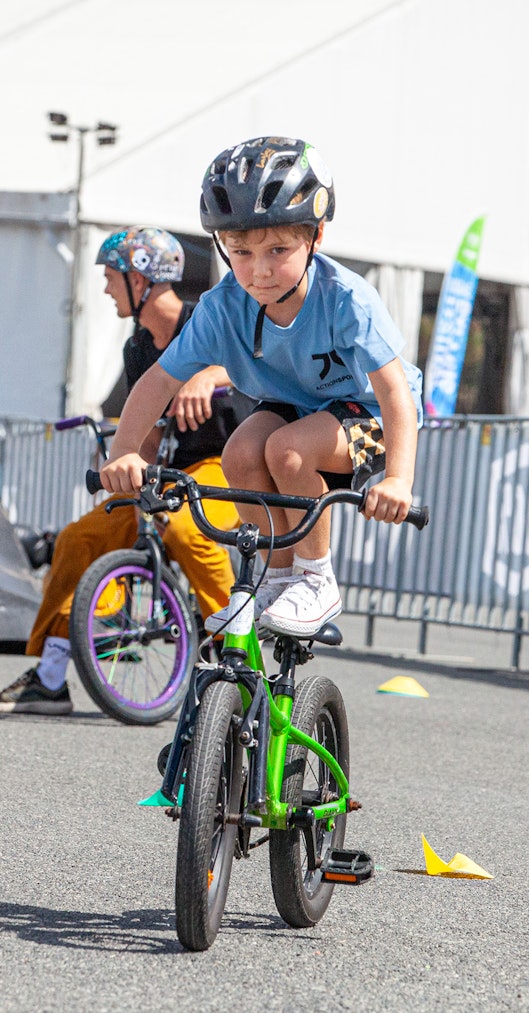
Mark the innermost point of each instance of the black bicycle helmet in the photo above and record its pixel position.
(265, 182)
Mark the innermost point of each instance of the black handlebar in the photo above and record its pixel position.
(153, 500)
(102, 430)
(108, 429)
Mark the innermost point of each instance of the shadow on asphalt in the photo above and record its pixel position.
(144, 931)
(422, 663)
(88, 718)
(135, 931)
(83, 717)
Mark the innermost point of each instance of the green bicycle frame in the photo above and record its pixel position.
(283, 733)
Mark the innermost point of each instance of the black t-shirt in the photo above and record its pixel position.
(140, 354)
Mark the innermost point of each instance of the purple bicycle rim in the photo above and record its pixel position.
(180, 666)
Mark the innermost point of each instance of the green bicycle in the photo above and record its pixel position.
(253, 750)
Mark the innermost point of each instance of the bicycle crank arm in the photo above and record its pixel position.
(241, 820)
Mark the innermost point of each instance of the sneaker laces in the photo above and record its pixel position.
(268, 592)
(303, 589)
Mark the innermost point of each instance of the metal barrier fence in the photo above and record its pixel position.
(42, 473)
(469, 567)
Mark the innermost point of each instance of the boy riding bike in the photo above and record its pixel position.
(313, 342)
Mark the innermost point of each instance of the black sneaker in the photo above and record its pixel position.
(28, 696)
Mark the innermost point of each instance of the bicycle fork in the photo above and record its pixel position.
(151, 542)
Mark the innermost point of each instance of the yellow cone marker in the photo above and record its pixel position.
(460, 867)
(403, 685)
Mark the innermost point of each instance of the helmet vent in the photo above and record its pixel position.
(219, 168)
(283, 162)
(222, 199)
(269, 194)
(304, 191)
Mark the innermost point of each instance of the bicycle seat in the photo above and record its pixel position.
(328, 634)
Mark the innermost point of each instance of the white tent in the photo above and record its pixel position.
(418, 106)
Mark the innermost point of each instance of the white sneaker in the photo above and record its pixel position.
(310, 600)
(266, 595)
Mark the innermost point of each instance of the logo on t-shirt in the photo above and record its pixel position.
(327, 358)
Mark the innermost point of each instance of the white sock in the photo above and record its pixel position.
(322, 566)
(51, 668)
(278, 571)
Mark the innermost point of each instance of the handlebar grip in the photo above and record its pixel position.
(73, 423)
(93, 481)
(418, 516)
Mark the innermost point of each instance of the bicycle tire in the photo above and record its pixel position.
(206, 843)
(301, 896)
(132, 678)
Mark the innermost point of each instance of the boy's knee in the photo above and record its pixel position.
(236, 459)
(280, 455)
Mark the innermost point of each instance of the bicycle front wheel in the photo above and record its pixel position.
(133, 670)
(206, 841)
(300, 894)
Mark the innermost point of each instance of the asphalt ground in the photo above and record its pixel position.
(86, 906)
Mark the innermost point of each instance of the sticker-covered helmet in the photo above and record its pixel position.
(152, 252)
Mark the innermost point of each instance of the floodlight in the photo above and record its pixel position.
(59, 119)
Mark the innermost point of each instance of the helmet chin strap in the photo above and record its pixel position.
(136, 309)
(258, 333)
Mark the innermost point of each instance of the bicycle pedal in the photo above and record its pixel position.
(350, 867)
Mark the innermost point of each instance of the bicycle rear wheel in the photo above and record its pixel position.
(131, 673)
(301, 896)
(206, 842)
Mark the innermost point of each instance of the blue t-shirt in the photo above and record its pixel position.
(342, 332)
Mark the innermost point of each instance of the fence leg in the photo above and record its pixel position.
(370, 625)
(517, 642)
(423, 630)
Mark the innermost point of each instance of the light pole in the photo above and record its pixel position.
(105, 133)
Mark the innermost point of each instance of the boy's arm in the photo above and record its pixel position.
(144, 406)
(151, 445)
(191, 406)
(390, 499)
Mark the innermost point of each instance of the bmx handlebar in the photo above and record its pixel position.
(102, 430)
(153, 498)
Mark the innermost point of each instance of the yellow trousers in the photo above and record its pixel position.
(206, 565)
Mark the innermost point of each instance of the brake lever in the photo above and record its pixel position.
(112, 504)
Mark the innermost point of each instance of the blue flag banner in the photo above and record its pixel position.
(449, 339)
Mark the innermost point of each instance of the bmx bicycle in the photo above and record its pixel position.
(134, 625)
(253, 750)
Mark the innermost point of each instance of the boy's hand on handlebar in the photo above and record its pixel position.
(124, 475)
(388, 500)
